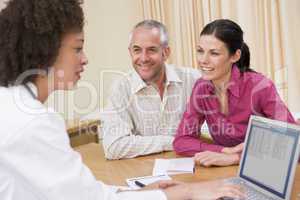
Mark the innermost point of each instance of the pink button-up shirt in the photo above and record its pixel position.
(249, 93)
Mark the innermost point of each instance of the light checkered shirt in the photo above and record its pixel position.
(137, 122)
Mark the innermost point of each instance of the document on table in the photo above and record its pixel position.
(137, 182)
(173, 166)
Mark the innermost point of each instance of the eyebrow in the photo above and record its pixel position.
(136, 46)
(151, 47)
(198, 46)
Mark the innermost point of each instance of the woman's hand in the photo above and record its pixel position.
(215, 190)
(208, 158)
(211, 190)
(161, 185)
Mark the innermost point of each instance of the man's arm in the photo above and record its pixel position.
(132, 146)
(119, 139)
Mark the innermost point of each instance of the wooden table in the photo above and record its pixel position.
(115, 172)
(82, 132)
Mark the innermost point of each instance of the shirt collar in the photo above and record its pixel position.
(233, 86)
(32, 89)
(138, 84)
(171, 75)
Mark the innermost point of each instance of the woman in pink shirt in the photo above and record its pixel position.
(225, 96)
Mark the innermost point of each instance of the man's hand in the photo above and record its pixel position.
(298, 121)
(208, 158)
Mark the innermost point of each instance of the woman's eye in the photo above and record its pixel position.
(78, 50)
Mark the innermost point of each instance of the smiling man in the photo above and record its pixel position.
(146, 105)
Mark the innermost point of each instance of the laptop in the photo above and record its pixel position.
(269, 159)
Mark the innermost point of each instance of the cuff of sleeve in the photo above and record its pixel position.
(216, 148)
(168, 143)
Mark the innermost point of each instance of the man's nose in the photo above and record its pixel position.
(144, 56)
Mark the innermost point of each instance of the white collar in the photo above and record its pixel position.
(32, 89)
(137, 83)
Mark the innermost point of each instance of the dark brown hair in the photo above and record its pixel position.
(231, 34)
(31, 32)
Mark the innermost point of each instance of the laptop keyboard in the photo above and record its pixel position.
(251, 194)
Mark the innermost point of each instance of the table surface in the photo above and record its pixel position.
(117, 171)
(74, 126)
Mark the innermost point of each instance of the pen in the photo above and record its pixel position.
(138, 183)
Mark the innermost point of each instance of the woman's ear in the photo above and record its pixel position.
(236, 56)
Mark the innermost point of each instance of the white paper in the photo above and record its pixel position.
(173, 166)
(146, 180)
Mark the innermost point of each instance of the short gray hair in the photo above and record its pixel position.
(150, 24)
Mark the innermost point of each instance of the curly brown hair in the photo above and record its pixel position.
(31, 32)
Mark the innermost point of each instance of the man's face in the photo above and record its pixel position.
(148, 54)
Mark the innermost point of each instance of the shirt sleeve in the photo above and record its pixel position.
(119, 139)
(272, 105)
(40, 157)
(187, 141)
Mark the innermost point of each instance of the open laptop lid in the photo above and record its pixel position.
(270, 156)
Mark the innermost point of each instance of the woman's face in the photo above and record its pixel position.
(214, 59)
(70, 62)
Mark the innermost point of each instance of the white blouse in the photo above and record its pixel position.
(36, 160)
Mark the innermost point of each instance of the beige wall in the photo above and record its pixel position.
(108, 24)
(2, 4)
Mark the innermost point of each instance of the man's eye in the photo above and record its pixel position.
(153, 50)
(200, 51)
(136, 50)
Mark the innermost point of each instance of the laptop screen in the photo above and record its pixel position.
(269, 154)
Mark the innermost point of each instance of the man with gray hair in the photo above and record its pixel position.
(146, 105)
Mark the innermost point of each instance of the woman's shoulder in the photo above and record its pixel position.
(256, 77)
(257, 81)
(19, 111)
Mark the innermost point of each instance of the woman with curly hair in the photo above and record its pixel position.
(42, 51)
